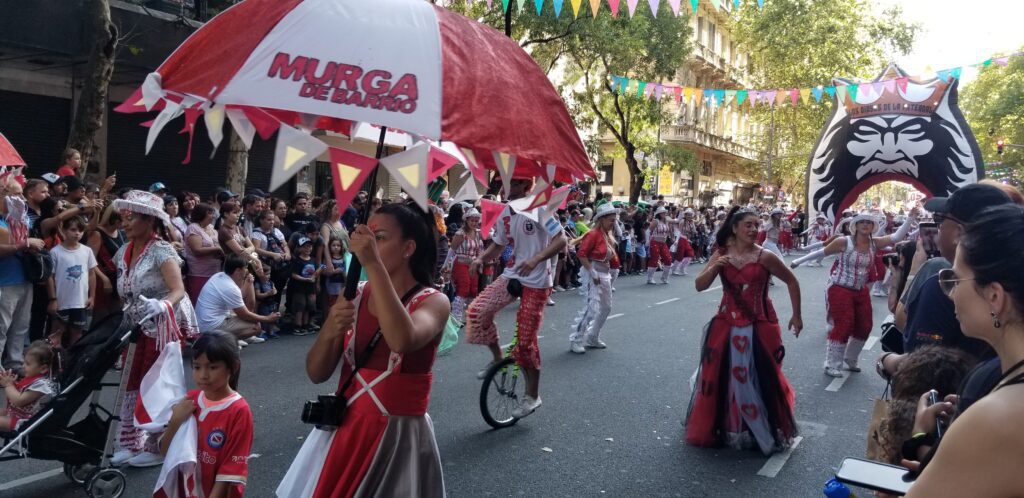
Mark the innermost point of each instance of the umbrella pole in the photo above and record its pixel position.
(508, 21)
(355, 268)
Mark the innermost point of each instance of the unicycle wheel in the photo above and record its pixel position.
(503, 389)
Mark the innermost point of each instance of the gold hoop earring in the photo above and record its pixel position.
(995, 320)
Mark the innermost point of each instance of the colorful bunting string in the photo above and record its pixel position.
(723, 97)
(613, 6)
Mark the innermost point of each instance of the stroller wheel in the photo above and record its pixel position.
(106, 483)
(78, 474)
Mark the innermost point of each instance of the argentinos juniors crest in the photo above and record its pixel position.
(902, 129)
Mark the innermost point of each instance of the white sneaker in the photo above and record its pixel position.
(551, 302)
(598, 344)
(577, 348)
(120, 457)
(558, 288)
(833, 372)
(255, 340)
(528, 406)
(242, 343)
(146, 460)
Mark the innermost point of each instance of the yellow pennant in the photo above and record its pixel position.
(411, 173)
(576, 7)
(292, 156)
(346, 174)
(805, 95)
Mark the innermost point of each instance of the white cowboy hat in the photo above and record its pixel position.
(688, 211)
(777, 211)
(471, 213)
(604, 210)
(138, 201)
(865, 216)
(821, 216)
(660, 210)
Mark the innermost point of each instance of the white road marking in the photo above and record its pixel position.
(666, 301)
(30, 479)
(837, 383)
(712, 288)
(616, 315)
(870, 343)
(774, 464)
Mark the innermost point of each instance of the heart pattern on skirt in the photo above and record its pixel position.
(750, 410)
(741, 342)
(740, 374)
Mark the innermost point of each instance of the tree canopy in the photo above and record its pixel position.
(994, 107)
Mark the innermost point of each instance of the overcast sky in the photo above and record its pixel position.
(958, 32)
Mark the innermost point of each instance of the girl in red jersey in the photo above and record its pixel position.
(223, 421)
(27, 396)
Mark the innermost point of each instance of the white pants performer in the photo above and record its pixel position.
(597, 306)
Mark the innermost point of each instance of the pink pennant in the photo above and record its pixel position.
(657, 92)
(543, 192)
(489, 213)
(631, 5)
(864, 88)
(614, 5)
(769, 96)
(878, 87)
(902, 83)
(191, 116)
(348, 172)
(679, 94)
(654, 6)
(439, 161)
(890, 86)
(1002, 61)
(265, 124)
(675, 7)
(754, 96)
(560, 196)
(794, 95)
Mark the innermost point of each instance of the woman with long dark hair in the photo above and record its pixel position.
(980, 454)
(387, 401)
(740, 396)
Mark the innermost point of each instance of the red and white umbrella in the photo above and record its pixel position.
(403, 64)
(9, 156)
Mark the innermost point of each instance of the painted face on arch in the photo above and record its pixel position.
(889, 144)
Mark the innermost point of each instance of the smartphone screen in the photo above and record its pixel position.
(929, 238)
(876, 476)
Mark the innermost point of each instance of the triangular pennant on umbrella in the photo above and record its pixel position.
(167, 115)
(489, 213)
(541, 195)
(214, 118)
(853, 90)
(595, 5)
(878, 87)
(440, 161)
(191, 117)
(409, 169)
(348, 172)
(152, 90)
(243, 127)
(505, 164)
(474, 166)
(1002, 61)
(549, 173)
(631, 6)
(559, 198)
(294, 150)
(9, 156)
(468, 192)
(654, 6)
(265, 124)
(576, 7)
(817, 92)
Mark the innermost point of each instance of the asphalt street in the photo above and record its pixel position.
(610, 424)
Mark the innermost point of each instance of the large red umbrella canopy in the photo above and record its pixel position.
(9, 156)
(404, 64)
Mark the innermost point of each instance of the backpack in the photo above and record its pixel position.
(38, 266)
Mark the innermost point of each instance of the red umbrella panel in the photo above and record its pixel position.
(9, 156)
(404, 64)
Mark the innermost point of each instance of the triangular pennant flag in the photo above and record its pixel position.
(817, 92)
(902, 83)
(490, 3)
(409, 169)
(657, 92)
(878, 87)
(9, 156)
(549, 172)
(595, 5)
(729, 95)
(649, 90)
(214, 118)
(679, 94)
(558, 7)
(794, 96)
(468, 192)
(760, 4)
(625, 86)
(780, 96)
(172, 111)
(489, 213)
(439, 162)
(707, 94)
(687, 93)
(942, 75)
(575, 7)
(504, 5)
(245, 130)
(474, 166)
(191, 116)
(615, 82)
(631, 5)
(805, 95)
(736, 4)
(674, 4)
(505, 163)
(520, 5)
(831, 91)
(640, 87)
(693, 5)
(294, 150)
(654, 6)
(559, 198)
(614, 6)
(955, 72)
(1002, 61)
(741, 96)
(719, 97)
(755, 97)
(890, 86)
(769, 96)
(540, 5)
(853, 90)
(841, 93)
(541, 195)
(348, 172)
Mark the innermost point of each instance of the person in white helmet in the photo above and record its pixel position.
(659, 232)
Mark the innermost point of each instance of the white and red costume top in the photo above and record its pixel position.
(852, 268)
(468, 249)
(820, 231)
(687, 228)
(659, 231)
(595, 248)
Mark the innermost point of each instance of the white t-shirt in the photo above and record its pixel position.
(218, 298)
(71, 275)
(260, 239)
(527, 238)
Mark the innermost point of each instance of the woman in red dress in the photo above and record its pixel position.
(740, 397)
(384, 444)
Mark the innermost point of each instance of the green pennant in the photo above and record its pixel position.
(988, 62)
(853, 89)
(504, 5)
(841, 93)
(520, 4)
(741, 96)
(694, 3)
(640, 86)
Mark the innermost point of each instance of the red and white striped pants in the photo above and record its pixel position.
(481, 329)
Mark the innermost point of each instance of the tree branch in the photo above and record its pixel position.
(568, 31)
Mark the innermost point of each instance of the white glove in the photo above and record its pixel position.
(150, 308)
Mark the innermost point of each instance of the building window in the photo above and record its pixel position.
(705, 169)
(700, 30)
(605, 175)
(712, 39)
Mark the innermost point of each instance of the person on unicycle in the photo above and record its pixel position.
(527, 276)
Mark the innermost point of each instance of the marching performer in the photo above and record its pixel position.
(687, 229)
(597, 253)
(466, 245)
(659, 232)
(819, 231)
(848, 303)
(771, 232)
(741, 397)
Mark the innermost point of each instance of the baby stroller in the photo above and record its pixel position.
(85, 446)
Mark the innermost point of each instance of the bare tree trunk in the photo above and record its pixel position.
(92, 102)
(238, 163)
(636, 175)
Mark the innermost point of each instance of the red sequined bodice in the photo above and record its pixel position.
(745, 294)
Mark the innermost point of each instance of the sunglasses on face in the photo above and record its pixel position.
(948, 281)
(939, 218)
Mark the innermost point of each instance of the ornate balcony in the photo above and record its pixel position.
(715, 143)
